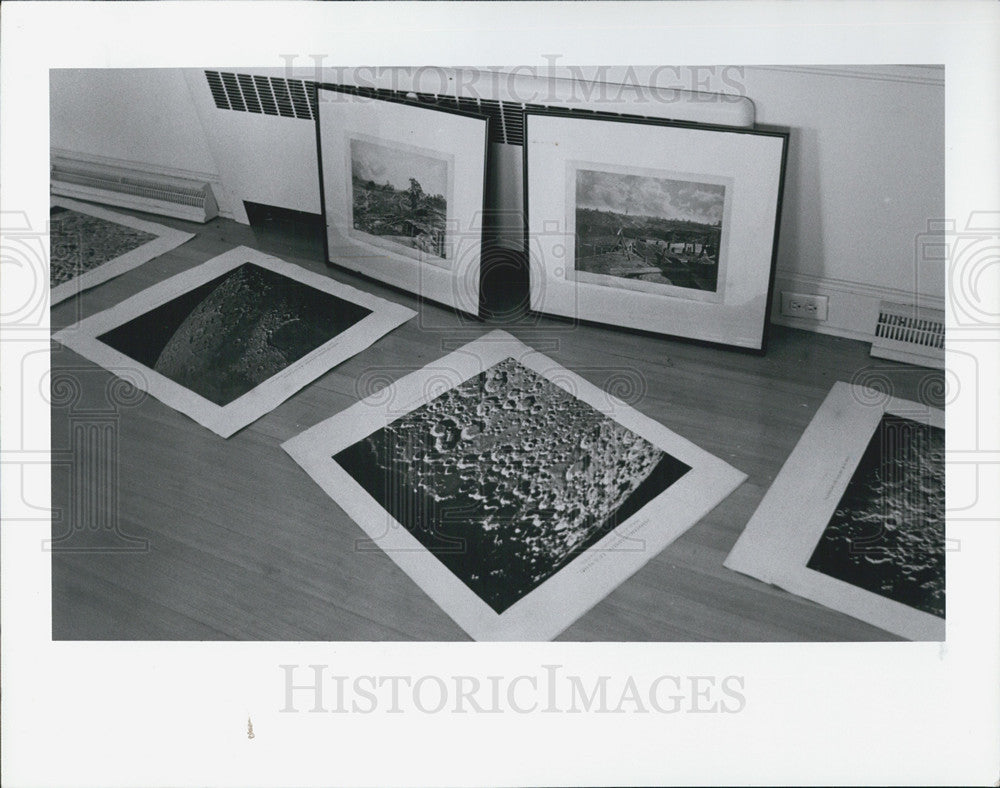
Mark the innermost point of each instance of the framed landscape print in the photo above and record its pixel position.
(403, 189)
(89, 245)
(513, 492)
(855, 520)
(229, 340)
(664, 227)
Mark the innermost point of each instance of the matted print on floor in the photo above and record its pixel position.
(855, 520)
(229, 340)
(516, 494)
(90, 245)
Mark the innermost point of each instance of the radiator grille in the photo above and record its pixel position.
(184, 198)
(296, 98)
(108, 180)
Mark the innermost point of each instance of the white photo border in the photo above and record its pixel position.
(565, 596)
(781, 536)
(167, 238)
(263, 398)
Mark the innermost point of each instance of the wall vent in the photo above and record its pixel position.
(287, 98)
(164, 195)
(909, 333)
(296, 98)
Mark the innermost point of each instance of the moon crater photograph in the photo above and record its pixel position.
(508, 477)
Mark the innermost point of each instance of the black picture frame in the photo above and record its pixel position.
(616, 152)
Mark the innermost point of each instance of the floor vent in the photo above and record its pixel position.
(909, 333)
(296, 98)
(164, 195)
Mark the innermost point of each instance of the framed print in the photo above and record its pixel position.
(855, 519)
(403, 189)
(512, 491)
(90, 245)
(229, 340)
(658, 226)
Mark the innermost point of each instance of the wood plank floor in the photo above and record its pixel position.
(165, 531)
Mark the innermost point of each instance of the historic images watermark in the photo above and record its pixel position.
(560, 84)
(319, 688)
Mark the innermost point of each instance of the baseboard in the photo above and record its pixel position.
(853, 306)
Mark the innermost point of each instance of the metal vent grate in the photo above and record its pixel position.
(297, 98)
(288, 98)
(909, 333)
(895, 324)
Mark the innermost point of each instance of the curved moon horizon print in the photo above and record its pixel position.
(229, 335)
(508, 477)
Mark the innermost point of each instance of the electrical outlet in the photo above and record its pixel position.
(803, 305)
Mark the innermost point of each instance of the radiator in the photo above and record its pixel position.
(164, 195)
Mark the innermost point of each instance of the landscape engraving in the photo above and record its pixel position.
(633, 229)
(399, 199)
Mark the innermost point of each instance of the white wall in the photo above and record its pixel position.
(865, 176)
(139, 116)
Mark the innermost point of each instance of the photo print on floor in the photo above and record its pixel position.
(227, 341)
(90, 245)
(855, 520)
(516, 495)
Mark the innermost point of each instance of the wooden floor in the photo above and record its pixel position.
(165, 531)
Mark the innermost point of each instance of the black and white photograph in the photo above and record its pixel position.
(585, 411)
(855, 520)
(400, 196)
(90, 245)
(633, 229)
(229, 340)
(514, 508)
(520, 495)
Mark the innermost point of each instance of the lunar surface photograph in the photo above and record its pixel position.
(227, 336)
(80, 243)
(887, 533)
(642, 228)
(400, 196)
(507, 478)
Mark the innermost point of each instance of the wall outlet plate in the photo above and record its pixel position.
(804, 305)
